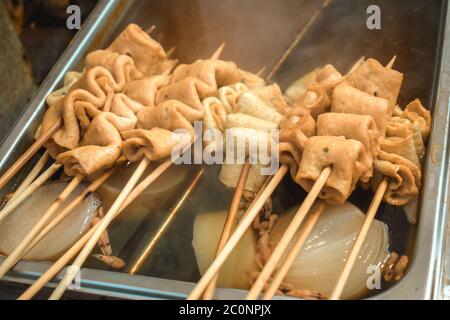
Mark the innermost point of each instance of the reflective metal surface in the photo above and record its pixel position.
(258, 33)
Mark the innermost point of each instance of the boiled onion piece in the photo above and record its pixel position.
(320, 261)
(234, 273)
(17, 225)
(149, 200)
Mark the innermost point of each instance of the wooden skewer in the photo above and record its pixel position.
(69, 208)
(150, 29)
(16, 201)
(353, 255)
(12, 171)
(18, 251)
(209, 292)
(298, 38)
(216, 55)
(70, 254)
(30, 178)
(290, 258)
(261, 71)
(147, 182)
(290, 232)
(57, 266)
(391, 63)
(246, 221)
(102, 226)
(32, 175)
(137, 264)
(379, 194)
(355, 65)
(170, 52)
(229, 222)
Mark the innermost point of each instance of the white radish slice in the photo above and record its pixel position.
(239, 265)
(230, 173)
(18, 224)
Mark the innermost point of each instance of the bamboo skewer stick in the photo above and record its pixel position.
(110, 215)
(150, 30)
(57, 266)
(290, 232)
(298, 38)
(229, 222)
(170, 52)
(12, 171)
(113, 211)
(234, 207)
(147, 181)
(379, 194)
(391, 63)
(216, 55)
(355, 65)
(32, 175)
(29, 178)
(290, 258)
(16, 201)
(261, 71)
(137, 264)
(18, 251)
(70, 207)
(246, 221)
(353, 255)
(70, 254)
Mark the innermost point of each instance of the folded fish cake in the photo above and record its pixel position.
(375, 79)
(148, 54)
(347, 99)
(345, 157)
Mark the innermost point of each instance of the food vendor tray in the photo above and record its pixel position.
(288, 38)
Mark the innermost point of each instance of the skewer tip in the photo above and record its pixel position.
(261, 71)
(391, 63)
(170, 52)
(216, 55)
(150, 30)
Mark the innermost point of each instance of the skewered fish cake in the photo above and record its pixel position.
(144, 90)
(347, 160)
(350, 126)
(347, 99)
(379, 81)
(148, 55)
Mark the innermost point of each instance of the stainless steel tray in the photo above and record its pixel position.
(259, 33)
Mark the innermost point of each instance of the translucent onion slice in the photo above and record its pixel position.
(235, 272)
(321, 259)
(17, 225)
